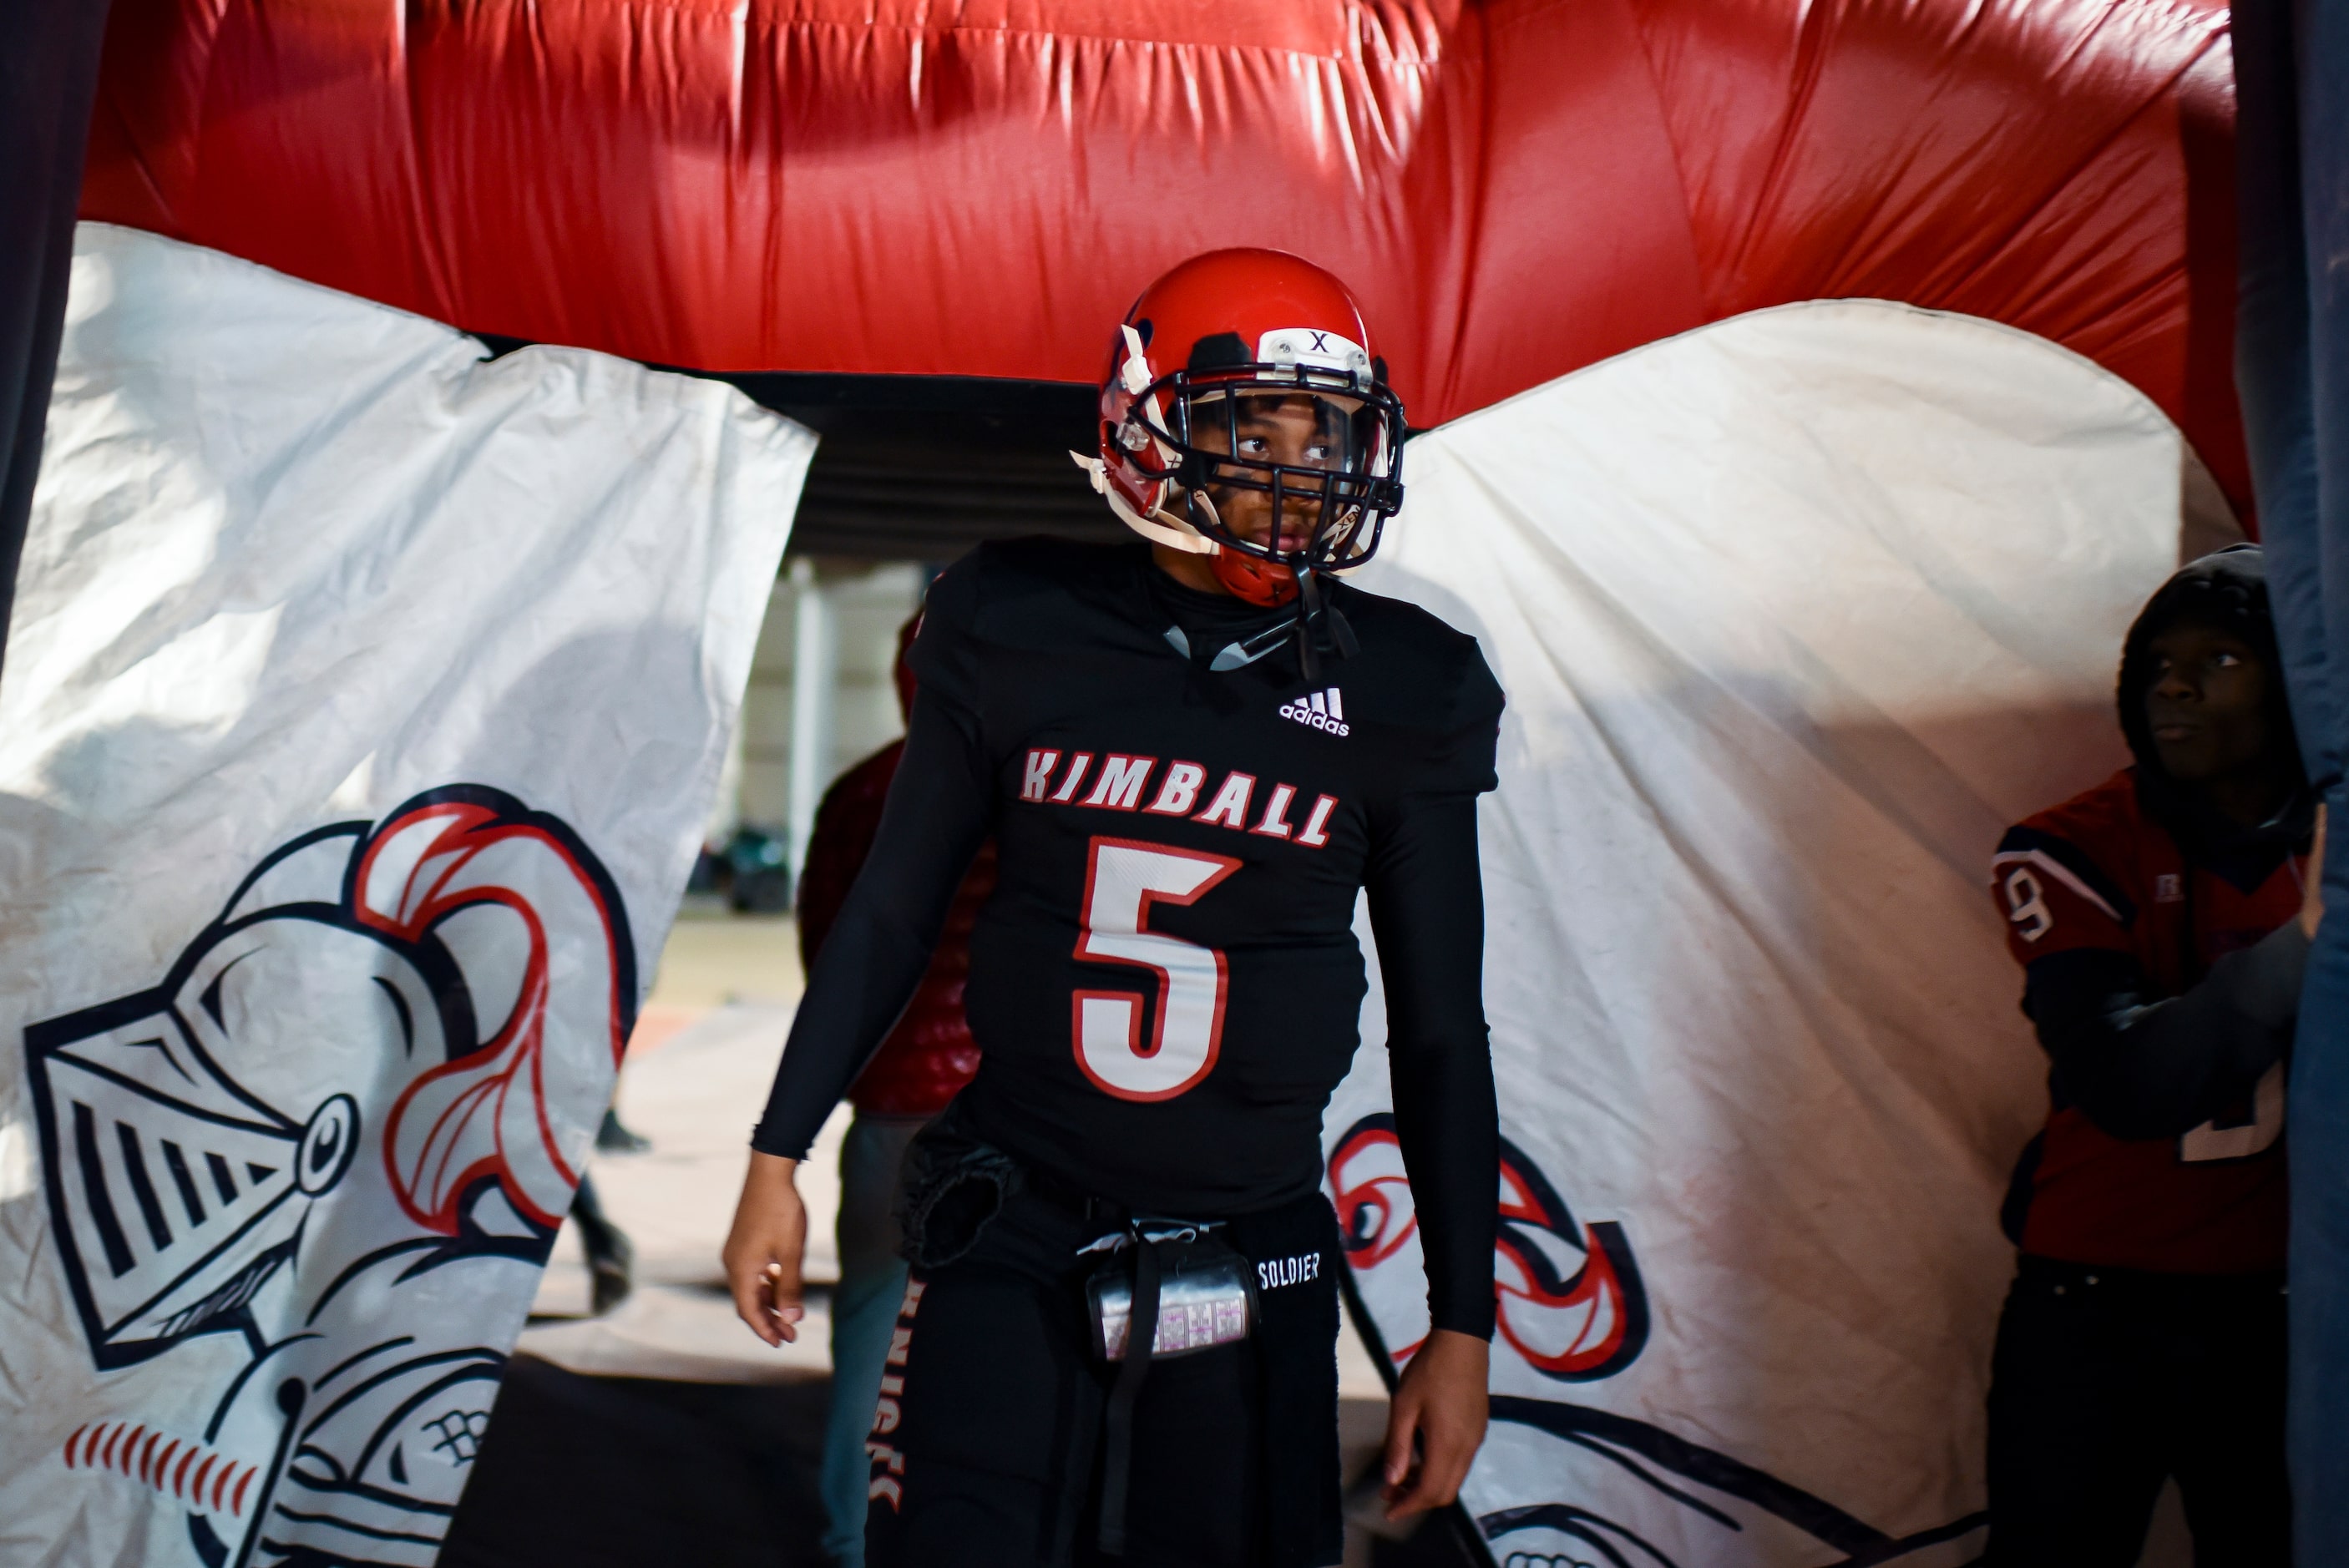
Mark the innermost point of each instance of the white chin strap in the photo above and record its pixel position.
(1163, 528)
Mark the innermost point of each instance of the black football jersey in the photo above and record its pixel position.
(1166, 984)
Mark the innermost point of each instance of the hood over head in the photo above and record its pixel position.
(2227, 589)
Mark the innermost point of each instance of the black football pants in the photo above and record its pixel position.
(2105, 1384)
(986, 1443)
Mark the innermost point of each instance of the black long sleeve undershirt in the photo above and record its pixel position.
(939, 810)
(1427, 911)
(2141, 1066)
(1426, 906)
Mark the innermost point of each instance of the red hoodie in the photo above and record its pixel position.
(2099, 872)
(929, 1055)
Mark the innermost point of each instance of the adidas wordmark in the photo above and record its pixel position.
(1323, 710)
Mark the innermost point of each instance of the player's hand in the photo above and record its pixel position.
(1441, 1403)
(2311, 890)
(763, 1249)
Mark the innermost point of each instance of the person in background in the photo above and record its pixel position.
(2162, 921)
(611, 1257)
(925, 1061)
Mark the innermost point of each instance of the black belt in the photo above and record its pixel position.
(1305, 1505)
(1090, 1208)
(2060, 1274)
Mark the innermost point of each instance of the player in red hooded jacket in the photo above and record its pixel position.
(2162, 919)
(924, 1061)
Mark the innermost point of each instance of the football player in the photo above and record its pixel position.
(1117, 1339)
(2163, 920)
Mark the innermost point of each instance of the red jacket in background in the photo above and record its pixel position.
(929, 1055)
(2100, 872)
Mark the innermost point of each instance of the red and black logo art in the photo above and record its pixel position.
(320, 1164)
(1572, 1306)
(1569, 1300)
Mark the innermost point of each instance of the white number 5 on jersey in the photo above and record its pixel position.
(1123, 879)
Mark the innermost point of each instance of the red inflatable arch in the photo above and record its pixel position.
(791, 192)
(1516, 188)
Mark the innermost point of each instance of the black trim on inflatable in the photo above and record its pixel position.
(921, 468)
(49, 79)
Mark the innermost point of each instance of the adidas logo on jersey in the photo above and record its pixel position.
(1323, 710)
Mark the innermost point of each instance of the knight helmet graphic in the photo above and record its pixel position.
(335, 1144)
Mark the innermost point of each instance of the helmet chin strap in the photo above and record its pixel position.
(1171, 531)
(1164, 527)
(1242, 575)
(1310, 609)
(1264, 586)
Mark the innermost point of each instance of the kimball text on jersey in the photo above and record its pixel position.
(1124, 780)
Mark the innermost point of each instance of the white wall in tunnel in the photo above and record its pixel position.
(869, 602)
(1794, 612)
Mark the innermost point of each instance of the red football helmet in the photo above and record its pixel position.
(1210, 353)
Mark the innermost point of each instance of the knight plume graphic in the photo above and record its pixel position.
(323, 1162)
(1571, 1305)
(1569, 1299)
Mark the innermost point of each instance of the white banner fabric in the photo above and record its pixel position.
(361, 709)
(1795, 613)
